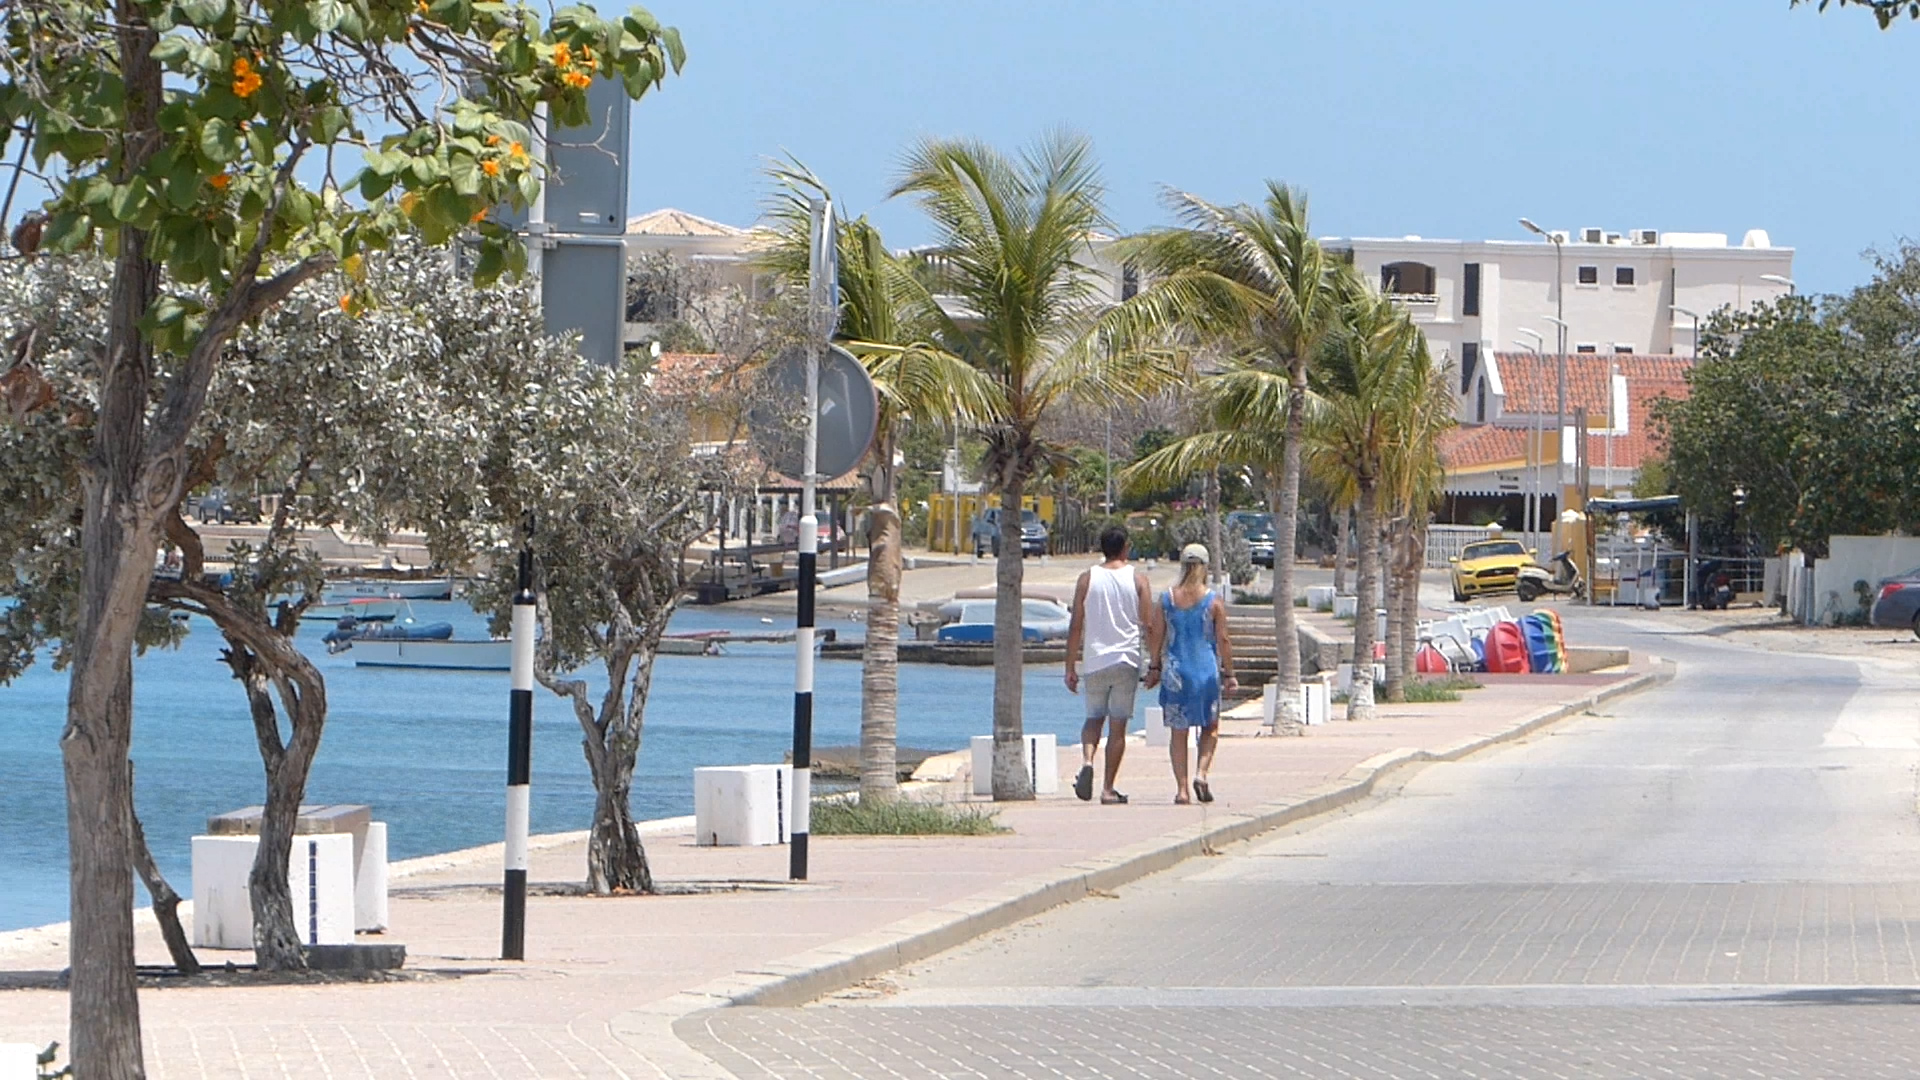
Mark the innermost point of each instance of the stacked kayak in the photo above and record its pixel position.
(1546, 644)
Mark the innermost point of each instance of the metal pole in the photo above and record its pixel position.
(513, 930)
(821, 291)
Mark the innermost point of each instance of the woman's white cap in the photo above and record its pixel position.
(1194, 553)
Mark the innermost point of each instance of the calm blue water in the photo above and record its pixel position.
(427, 750)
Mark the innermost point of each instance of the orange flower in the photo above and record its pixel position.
(493, 140)
(219, 181)
(562, 56)
(420, 6)
(491, 168)
(479, 216)
(245, 80)
(517, 152)
(346, 304)
(579, 80)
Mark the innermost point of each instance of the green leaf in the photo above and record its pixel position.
(128, 200)
(466, 175)
(490, 264)
(183, 183)
(206, 59)
(676, 52)
(373, 185)
(329, 123)
(326, 15)
(220, 141)
(67, 231)
(171, 50)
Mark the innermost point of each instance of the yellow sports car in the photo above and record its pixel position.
(1487, 567)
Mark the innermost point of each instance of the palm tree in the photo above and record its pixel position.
(1371, 378)
(884, 321)
(1023, 308)
(1412, 482)
(1255, 278)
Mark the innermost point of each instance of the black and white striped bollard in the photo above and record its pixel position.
(513, 930)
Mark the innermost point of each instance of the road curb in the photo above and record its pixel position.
(817, 972)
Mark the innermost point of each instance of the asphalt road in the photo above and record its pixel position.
(1718, 877)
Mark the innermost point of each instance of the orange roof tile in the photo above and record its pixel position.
(1531, 381)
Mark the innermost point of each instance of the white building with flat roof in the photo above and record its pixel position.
(1637, 291)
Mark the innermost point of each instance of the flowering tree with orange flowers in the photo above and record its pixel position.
(222, 153)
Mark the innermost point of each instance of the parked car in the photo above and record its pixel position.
(1257, 527)
(790, 529)
(1489, 566)
(1897, 603)
(986, 533)
(226, 508)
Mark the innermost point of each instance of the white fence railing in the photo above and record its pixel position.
(1445, 541)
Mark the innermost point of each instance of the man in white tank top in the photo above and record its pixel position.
(1112, 607)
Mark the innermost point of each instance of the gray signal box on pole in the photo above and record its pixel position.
(587, 166)
(583, 286)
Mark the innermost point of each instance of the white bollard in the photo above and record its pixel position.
(1316, 702)
(1270, 702)
(1042, 760)
(370, 880)
(1157, 733)
(1320, 597)
(1344, 607)
(742, 805)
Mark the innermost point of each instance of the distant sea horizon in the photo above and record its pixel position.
(427, 749)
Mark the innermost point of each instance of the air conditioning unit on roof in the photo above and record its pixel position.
(1650, 237)
(1614, 238)
(1590, 236)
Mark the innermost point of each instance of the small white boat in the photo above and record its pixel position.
(441, 589)
(444, 655)
(365, 609)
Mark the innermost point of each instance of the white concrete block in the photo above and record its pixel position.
(1042, 760)
(370, 878)
(1156, 727)
(742, 805)
(1345, 606)
(1316, 701)
(19, 1061)
(319, 878)
(1320, 597)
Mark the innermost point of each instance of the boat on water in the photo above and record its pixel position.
(351, 631)
(447, 655)
(1040, 620)
(697, 643)
(366, 609)
(389, 588)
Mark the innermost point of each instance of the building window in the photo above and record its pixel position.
(1623, 275)
(1469, 360)
(1622, 348)
(1470, 290)
(1480, 403)
(1589, 275)
(1407, 279)
(1588, 347)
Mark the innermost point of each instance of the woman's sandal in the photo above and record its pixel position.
(1201, 791)
(1116, 800)
(1182, 800)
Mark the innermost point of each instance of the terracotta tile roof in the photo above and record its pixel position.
(670, 222)
(1531, 380)
(1481, 446)
(685, 373)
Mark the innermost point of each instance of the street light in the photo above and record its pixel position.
(1778, 279)
(1532, 502)
(1560, 416)
(1678, 310)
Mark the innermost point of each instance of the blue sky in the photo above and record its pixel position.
(1439, 119)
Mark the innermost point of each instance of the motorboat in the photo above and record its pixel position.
(1040, 620)
(351, 631)
(389, 588)
(365, 609)
(443, 655)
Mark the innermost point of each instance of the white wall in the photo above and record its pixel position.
(1850, 559)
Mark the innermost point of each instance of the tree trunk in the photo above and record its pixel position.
(1285, 505)
(103, 1000)
(1360, 696)
(1342, 528)
(1396, 687)
(1218, 570)
(1410, 596)
(880, 659)
(166, 902)
(616, 859)
(277, 942)
(1010, 780)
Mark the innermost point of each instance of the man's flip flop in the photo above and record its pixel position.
(1116, 800)
(1083, 783)
(1201, 791)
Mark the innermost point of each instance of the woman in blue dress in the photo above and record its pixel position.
(1192, 663)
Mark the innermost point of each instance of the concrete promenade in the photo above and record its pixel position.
(606, 977)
